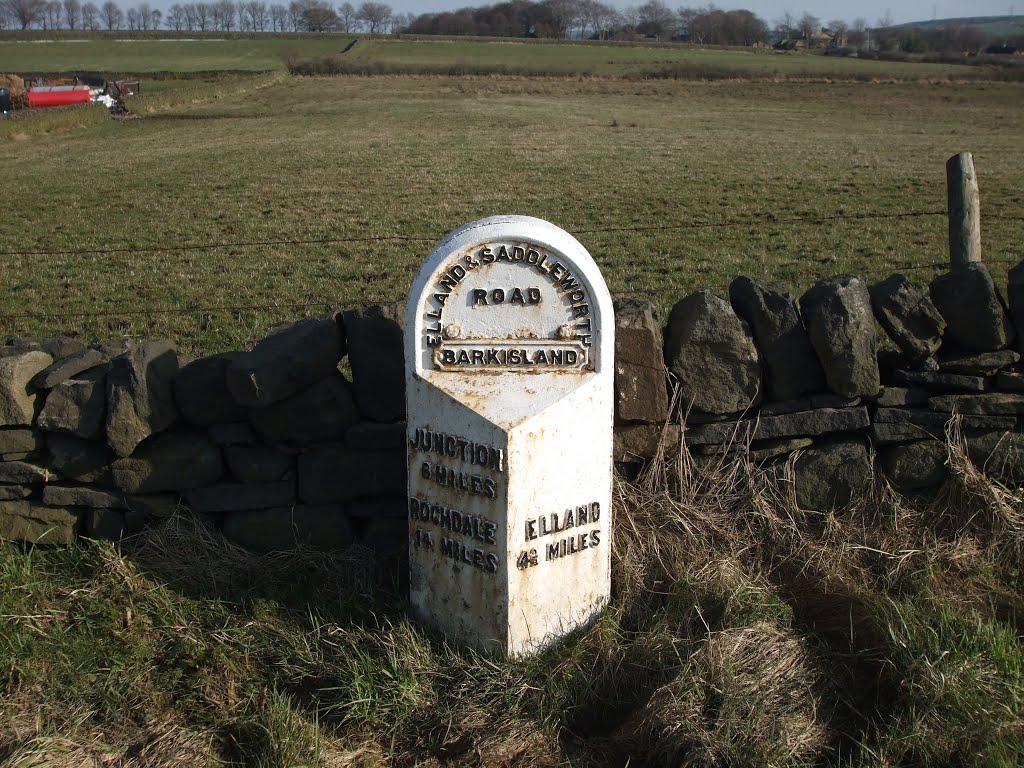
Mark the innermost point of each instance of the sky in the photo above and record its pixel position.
(770, 10)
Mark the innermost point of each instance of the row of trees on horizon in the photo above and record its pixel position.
(579, 19)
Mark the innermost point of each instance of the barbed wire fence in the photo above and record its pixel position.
(428, 240)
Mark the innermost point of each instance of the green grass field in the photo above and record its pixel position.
(202, 54)
(142, 56)
(673, 186)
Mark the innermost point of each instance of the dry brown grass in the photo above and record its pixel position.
(743, 631)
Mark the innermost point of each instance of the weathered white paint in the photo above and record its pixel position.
(526, 439)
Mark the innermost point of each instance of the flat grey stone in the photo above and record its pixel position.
(942, 382)
(19, 440)
(68, 367)
(17, 394)
(882, 433)
(821, 421)
(25, 473)
(760, 451)
(25, 456)
(324, 528)
(321, 413)
(333, 473)
(257, 463)
(55, 346)
(832, 475)
(908, 316)
(8, 492)
(73, 458)
(371, 436)
(828, 400)
(106, 523)
(694, 416)
(22, 456)
(35, 523)
(891, 397)
(286, 362)
(1000, 455)
(980, 364)
(990, 403)
(1010, 381)
(140, 395)
(376, 352)
(976, 318)
(236, 497)
(777, 408)
(840, 323)
(712, 353)
(81, 496)
(932, 418)
(77, 406)
(635, 442)
(201, 391)
(234, 433)
(171, 461)
(154, 505)
(913, 468)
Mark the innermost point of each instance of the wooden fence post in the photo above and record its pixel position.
(964, 210)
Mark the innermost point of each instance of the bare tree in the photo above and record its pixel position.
(858, 32)
(808, 26)
(278, 17)
(52, 13)
(604, 17)
(346, 16)
(374, 16)
(630, 18)
(199, 16)
(72, 13)
(113, 16)
(224, 15)
(90, 16)
(256, 11)
(786, 26)
(25, 12)
(175, 18)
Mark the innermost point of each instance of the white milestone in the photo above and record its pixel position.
(509, 381)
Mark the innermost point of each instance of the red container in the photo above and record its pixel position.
(41, 98)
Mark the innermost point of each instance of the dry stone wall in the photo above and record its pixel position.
(276, 446)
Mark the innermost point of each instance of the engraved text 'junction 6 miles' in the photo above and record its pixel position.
(567, 352)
